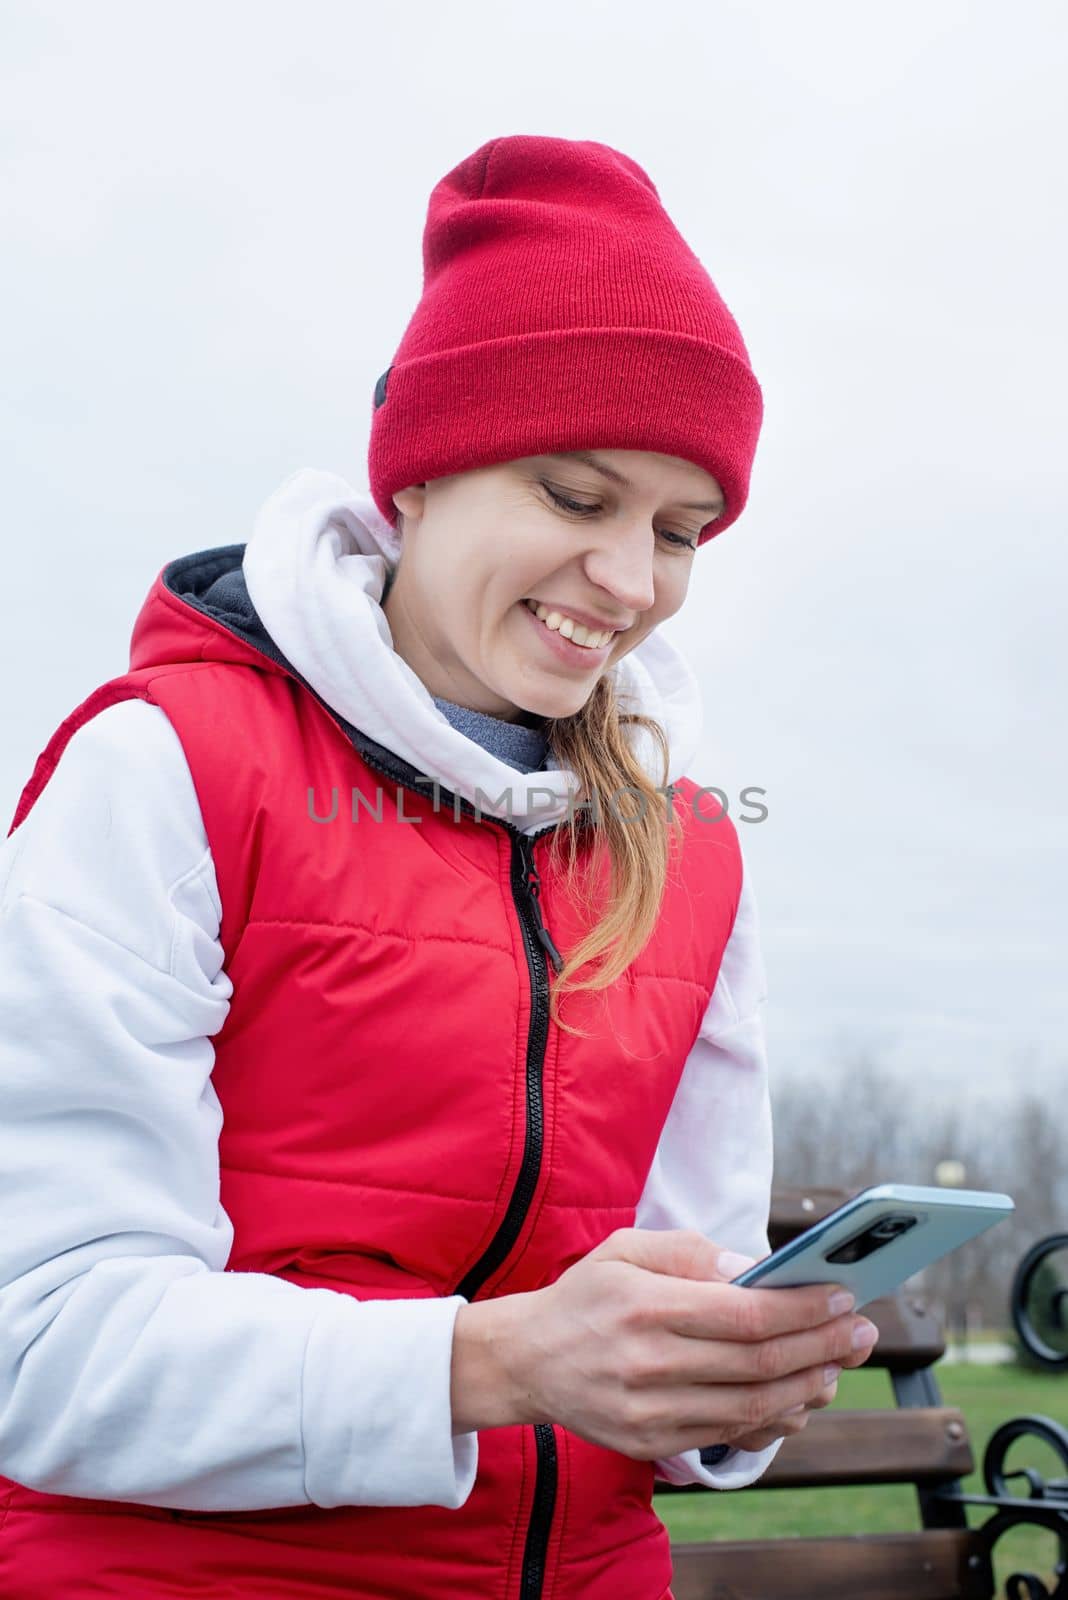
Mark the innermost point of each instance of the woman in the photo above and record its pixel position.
(384, 1052)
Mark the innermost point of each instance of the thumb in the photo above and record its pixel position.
(678, 1252)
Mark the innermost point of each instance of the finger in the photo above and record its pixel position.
(825, 1399)
(722, 1311)
(726, 1361)
(763, 1437)
(740, 1407)
(673, 1252)
(856, 1358)
(806, 1407)
(789, 1424)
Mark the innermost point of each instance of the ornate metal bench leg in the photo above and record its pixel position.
(1048, 1507)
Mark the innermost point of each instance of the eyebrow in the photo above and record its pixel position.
(625, 483)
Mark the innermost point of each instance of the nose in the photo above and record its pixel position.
(621, 563)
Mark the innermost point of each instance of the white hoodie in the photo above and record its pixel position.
(132, 1366)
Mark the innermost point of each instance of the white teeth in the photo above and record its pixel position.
(575, 631)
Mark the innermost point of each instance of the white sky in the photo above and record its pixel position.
(210, 218)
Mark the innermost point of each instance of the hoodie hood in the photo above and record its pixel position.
(305, 592)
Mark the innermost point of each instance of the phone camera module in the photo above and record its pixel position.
(872, 1238)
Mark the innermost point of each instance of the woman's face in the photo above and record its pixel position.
(479, 547)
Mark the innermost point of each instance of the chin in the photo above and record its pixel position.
(560, 704)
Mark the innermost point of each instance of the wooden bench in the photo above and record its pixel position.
(923, 1442)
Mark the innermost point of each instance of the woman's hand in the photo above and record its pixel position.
(643, 1346)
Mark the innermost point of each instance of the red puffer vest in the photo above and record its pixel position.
(479, 1152)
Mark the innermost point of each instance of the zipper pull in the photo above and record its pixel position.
(554, 955)
(534, 885)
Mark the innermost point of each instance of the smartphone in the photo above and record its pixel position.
(877, 1240)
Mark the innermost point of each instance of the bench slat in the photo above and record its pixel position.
(925, 1445)
(864, 1566)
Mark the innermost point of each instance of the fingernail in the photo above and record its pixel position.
(830, 1373)
(794, 1409)
(864, 1334)
(842, 1301)
(730, 1265)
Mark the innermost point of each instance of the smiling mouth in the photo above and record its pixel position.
(595, 640)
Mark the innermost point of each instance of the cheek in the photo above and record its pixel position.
(486, 612)
(670, 594)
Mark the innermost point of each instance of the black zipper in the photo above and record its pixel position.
(524, 893)
(532, 1576)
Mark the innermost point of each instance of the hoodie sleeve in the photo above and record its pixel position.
(713, 1167)
(132, 1366)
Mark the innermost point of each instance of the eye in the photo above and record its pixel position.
(569, 505)
(678, 541)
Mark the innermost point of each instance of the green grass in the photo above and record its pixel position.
(987, 1397)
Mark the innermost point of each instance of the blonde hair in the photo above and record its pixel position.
(633, 825)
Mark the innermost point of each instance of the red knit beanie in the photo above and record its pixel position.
(561, 310)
